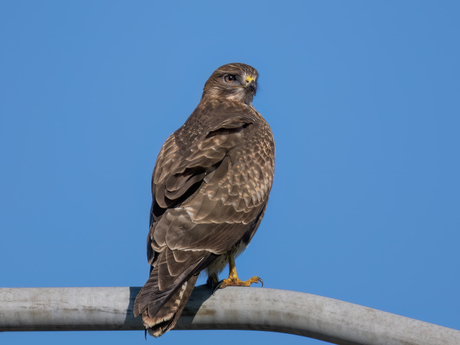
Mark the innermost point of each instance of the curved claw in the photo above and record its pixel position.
(260, 281)
(218, 286)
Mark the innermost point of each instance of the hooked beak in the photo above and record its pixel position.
(251, 84)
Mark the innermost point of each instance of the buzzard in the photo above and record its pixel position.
(210, 188)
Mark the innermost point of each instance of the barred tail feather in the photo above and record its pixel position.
(161, 309)
(166, 318)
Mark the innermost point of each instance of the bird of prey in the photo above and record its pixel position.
(210, 188)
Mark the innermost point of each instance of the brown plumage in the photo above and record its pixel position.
(210, 188)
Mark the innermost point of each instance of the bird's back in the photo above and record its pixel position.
(210, 188)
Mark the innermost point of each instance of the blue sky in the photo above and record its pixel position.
(363, 100)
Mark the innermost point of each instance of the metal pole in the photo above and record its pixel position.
(110, 308)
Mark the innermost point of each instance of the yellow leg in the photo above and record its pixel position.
(233, 279)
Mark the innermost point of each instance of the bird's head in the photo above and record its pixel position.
(236, 81)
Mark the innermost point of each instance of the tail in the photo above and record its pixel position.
(166, 317)
(163, 297)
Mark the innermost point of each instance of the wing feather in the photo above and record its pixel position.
(209, 192)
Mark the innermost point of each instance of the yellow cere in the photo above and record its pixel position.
(249, 79)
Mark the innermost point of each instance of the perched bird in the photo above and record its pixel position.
(210, 188)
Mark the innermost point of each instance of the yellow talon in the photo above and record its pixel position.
(233, 279)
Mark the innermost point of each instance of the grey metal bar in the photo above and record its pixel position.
(110, 308)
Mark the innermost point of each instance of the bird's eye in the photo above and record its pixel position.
(229, 78)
